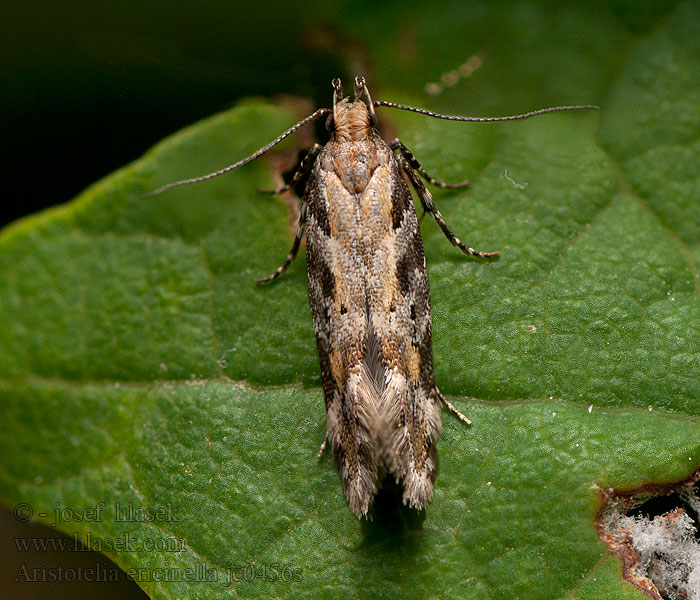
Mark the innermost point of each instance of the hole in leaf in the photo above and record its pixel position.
(655, 530)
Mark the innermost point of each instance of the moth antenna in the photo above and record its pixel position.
(526, 115)
(361, 88)
(315, 115)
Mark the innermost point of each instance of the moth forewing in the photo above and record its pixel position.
(369, 296)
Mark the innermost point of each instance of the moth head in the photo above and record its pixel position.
(351, 121)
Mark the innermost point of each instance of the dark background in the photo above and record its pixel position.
(88, 87)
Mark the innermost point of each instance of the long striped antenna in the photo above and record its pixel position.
(319, 113)
(360, 87)
(526, 115)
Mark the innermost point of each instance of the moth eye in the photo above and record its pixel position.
(343, 310)
(372, 120)
(330, 124)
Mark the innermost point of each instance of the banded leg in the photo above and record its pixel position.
(397, 144)
(427, 202)
(302, 171)
(293, 252)
(451, 408)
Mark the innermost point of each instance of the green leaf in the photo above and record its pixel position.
(141, 366)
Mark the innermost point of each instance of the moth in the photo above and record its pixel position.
(369, 295)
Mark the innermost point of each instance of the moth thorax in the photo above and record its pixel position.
(352, 122)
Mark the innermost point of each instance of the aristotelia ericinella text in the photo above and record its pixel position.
(369, 295)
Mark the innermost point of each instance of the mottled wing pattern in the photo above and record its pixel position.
(410, 400)
(369, 296)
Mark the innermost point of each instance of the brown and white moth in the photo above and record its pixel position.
(369, 296)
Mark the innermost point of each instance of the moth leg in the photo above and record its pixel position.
(429, 206)
(293, 252)
(397, 144)
(302, 171)
(323, 446)
(451, 408)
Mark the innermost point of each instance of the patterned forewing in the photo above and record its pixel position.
(400, 313)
